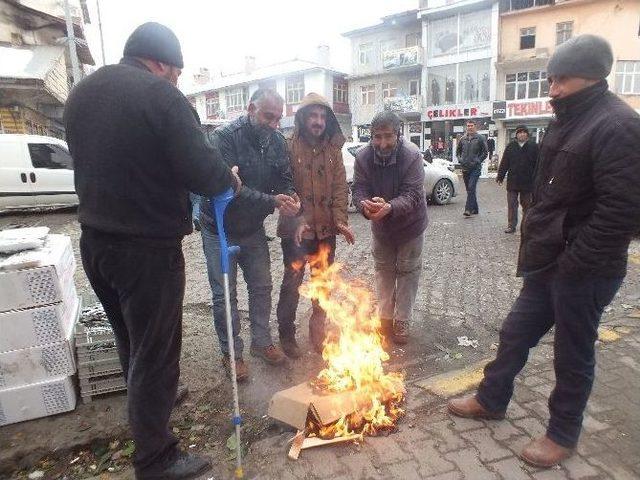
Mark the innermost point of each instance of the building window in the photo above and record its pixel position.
(340, 90)
(368, 94)
(365, 54)
(236, 99)
(213, 105)
(413, 39)
(295, 89)
(523, 85)
(414, 87)
(564, 31)
(628, 77)
(509, 5)
(389, 89)
(527, 38)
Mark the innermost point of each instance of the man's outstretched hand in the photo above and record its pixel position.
(347, 233)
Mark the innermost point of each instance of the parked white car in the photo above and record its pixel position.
(440, 183)
(35, 172)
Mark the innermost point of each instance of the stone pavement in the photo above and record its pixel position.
(431, 444)
(467, 286)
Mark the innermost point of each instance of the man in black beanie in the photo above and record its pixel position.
(574, 246)
(138, 151)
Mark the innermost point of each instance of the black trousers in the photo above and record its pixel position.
(291, 281)
(512, 205)
(140, 284)
(574, 306)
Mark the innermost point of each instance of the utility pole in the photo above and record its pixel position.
(101, 36)
(71, 38)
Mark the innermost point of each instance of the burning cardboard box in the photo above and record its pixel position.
(353, 395)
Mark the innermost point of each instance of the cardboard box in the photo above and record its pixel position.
(39, 325)
(37, 400)
(43, 285)
(37, 364)
(292, 405)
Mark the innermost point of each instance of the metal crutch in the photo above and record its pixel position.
(220, 203)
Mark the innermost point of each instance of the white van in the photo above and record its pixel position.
(35, 172)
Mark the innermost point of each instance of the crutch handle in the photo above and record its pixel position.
(220, 203)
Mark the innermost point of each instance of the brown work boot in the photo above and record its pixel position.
(290, 346)
(544, 453)
(469, 407)
(271, 354)
(400, 333)
(242, 372)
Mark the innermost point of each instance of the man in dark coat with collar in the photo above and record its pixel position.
(518, 165)
(138, 151)
(574, 247)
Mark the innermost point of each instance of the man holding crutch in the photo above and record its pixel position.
(138, 151)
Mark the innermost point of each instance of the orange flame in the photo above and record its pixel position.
(353, 351)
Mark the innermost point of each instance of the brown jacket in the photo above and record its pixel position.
(319, 177)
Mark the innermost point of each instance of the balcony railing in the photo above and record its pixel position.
(511, 5)
(404, 103)
(402, 57)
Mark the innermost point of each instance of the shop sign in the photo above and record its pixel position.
(364, 132)
(452, 113)
(529, 108)
(499, 110)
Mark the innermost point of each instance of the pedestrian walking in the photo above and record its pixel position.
(574, 247)
(388, 189)
(518, 165)
(138, 151)
(471, 152)
(491, 146)
(315, 153)
(253, 144)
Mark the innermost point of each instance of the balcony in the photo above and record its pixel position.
(402, 58)
(512, 5)
(404, 104)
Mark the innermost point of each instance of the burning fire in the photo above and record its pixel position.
(354, 354)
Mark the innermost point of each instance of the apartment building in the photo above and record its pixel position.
(223, 98)
(531, 30)
(35, 67)
(459, 78)
(387, 61)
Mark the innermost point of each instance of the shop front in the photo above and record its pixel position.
(535, 114)
(444, 125)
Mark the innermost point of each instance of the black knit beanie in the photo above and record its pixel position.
(585, 56)
(156, 42)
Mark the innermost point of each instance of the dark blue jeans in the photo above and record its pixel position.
(471, 183)
(255, 262)
(291, 281)
(574, 306)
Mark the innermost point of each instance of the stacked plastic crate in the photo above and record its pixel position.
(38, 310)
(99, 366)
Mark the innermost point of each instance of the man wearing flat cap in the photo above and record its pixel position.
(138, 151)
(518, 164)
(574, 246)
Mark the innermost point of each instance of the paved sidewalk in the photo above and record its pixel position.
(431, 444)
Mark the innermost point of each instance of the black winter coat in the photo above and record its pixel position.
(471, 151)
(519, 165)
(138, 150)
(264, 170)
(586, 204)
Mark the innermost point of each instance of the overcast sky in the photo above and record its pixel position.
(219, 33)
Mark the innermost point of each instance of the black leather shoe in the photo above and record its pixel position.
(467, 213)
(290, 347)
(185, 466)
(510, 230)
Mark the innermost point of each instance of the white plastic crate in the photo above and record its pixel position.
(40, 325)
(36, 364)
(37, 400)
(42, 285)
